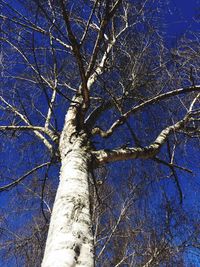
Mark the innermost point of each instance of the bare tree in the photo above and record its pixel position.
(94, 83)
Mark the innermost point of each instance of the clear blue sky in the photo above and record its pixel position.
(181, 14)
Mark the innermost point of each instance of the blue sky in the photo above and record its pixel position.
(181, 14)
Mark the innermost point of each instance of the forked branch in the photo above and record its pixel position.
(126, 115)
(106, 19)
(38, 131)
(106, 155)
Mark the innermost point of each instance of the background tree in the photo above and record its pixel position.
(84, 84)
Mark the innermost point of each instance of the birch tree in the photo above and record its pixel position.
(85, 79)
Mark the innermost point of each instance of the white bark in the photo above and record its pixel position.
(70, 239)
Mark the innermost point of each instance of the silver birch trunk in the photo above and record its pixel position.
(70, 240)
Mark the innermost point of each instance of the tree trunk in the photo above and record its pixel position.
(70, 239)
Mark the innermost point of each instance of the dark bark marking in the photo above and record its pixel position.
(77, 251)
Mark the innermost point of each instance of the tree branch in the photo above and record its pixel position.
(36, 132)
(99, 38)
(55, 72)
(98, 111)
(31, 128)
(16, 182)
(169, 164)
(38, 29)
(146, 103)
(105, 155)
(88, 22)
(76, 50)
